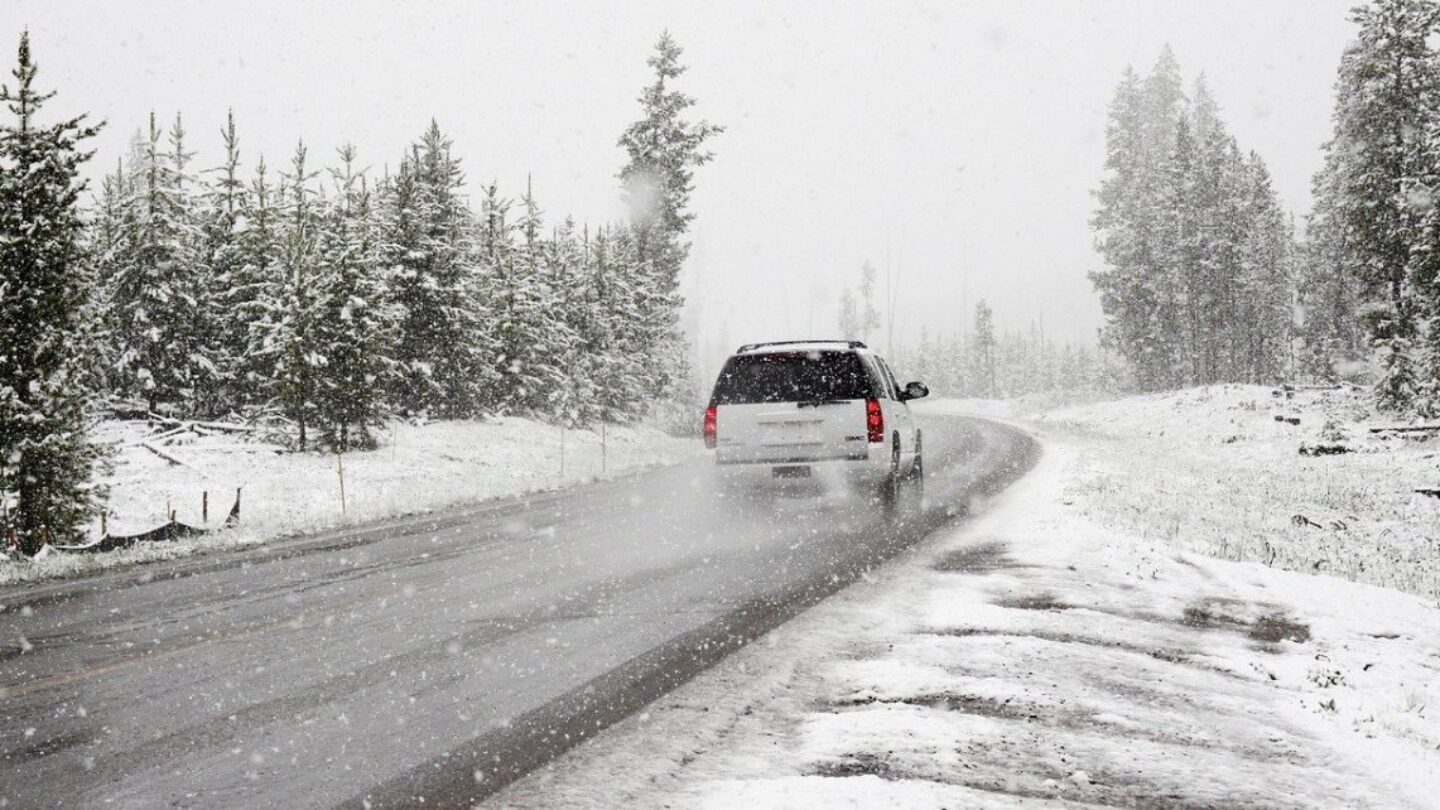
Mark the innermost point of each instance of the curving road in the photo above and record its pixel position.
(437, 657)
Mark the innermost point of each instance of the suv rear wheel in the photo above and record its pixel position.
(893, 486)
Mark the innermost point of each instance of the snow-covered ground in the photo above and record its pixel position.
(419, 468)
(1218, 470)
(1044, 653)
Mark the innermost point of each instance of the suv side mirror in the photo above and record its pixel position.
(914, 390)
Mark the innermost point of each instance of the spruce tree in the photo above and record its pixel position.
(252, 293)
(156, 289)
(663, 148)
(610, 359)
(516, 305)
(983, 346)
(46, 456)
(1388, 80)
(849, 318)
(353, 320)
(869, 314)
(287, 328)
(1327, 289)
(1197, 280)
(566, 315)
(430, 249)
(232, 289)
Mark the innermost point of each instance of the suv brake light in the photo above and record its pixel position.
(874, 420)
(710, 414)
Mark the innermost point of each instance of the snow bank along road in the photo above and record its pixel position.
(437, 657)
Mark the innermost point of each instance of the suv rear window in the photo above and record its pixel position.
(791, 377)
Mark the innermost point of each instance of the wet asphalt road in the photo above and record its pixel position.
(437, 657)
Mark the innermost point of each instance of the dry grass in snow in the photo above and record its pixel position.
(1213, 470)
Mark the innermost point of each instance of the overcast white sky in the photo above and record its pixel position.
(961, 139)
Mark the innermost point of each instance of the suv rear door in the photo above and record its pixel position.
(792, 407)
(897, 413)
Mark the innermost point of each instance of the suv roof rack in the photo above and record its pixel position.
(853, 344)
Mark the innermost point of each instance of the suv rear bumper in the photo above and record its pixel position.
(855, 470)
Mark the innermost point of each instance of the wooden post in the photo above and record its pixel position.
(103, 530)
(340, 468)
(603, 449)
(169, 513)
(204, 507)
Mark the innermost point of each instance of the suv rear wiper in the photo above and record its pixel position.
(815, 403)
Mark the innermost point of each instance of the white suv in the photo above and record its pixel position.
(815, 409)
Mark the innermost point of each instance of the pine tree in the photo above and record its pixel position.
(353, 320)
(229, 291)
(849, 316)
(1266, 284)
(1197, 283)
(609, 359)
(1127, 223)
(253, 292)
(288, 347)
(429, 247)
(664, 148)
(1388, 80)
(1177, 279)
(521, 323)
(567, 315)
(105, 246)
(46, 457)
(157, 286)
(869, 315)
(1327, 289)
(983, 346)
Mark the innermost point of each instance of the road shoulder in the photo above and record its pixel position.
(1030, 656)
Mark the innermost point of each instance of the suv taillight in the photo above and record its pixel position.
(710, 427)
(874, 421)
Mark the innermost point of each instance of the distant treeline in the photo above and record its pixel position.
(984, 362)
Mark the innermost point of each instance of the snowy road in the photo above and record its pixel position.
(439, 657)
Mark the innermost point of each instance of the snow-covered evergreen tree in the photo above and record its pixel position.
(232, 287)
(1266, 286)
(610, 360)
(1197, 284)
(1388, 81)
(849, 319)
(46, 456)
(249, 298)
(869, 313)
(288, 342)
(429, 247)
(158, 289)
(663, 148)
(353, 325)
(566, 314)
(983, 345)
(517, 305)
(1327, 288)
